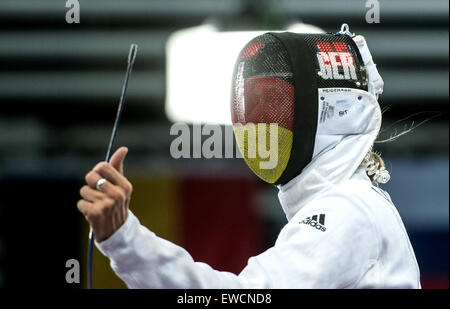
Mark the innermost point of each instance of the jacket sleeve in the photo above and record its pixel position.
(303, 256)
(143, 260)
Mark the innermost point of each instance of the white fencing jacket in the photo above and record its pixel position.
(361, 243)
(342, 231)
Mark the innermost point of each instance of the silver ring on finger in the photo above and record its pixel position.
(100, 183)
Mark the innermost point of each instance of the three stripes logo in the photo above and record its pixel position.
(318, 224)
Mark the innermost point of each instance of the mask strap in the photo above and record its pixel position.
(376, 83)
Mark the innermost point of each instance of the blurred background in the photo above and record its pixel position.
(59, 88)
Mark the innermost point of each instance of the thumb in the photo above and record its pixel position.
(117, 159)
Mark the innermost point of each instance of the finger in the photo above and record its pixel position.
(107, 190)
(85, 207)
(91, 195)
(92, 178)
(114, 193)
(107, 171)
(117, 159)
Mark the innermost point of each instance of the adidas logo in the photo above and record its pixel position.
(312, 221)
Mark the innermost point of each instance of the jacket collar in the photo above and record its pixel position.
(296, 196)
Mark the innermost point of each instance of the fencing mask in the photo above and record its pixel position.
(276, 94)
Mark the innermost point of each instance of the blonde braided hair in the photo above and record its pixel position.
(375, 168)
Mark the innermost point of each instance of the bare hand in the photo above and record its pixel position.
(106, 209)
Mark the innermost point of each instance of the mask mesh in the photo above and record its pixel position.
(263, 94)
